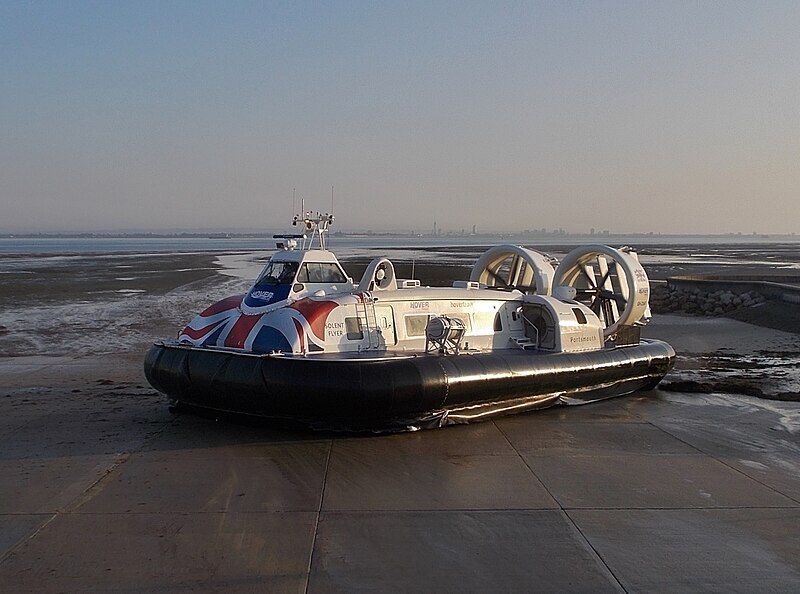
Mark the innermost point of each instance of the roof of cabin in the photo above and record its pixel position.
(304, 256)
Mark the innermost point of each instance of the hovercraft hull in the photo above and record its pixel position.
(360, 391)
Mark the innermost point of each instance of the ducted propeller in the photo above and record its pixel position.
(609, 281)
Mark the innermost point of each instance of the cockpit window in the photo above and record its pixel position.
(278, 273)
(319, 272)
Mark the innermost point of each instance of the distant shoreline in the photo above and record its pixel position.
(522, 235)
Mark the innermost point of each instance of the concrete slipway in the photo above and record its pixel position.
(103, 489)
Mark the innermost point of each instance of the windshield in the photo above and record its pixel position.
(278, 273)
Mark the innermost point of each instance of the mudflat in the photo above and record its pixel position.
(103, 488)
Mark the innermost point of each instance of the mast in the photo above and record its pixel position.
(315, 225)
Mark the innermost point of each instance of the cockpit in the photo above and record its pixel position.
(293, 273)
(281, 273)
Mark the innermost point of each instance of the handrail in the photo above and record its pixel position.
(535, 329)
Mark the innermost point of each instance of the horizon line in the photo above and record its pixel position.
(244, 233)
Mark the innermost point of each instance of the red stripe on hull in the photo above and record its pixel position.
(197, 334)
(219, 306)
(240, 331)
(316, 313)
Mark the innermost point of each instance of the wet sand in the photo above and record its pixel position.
(104, 489)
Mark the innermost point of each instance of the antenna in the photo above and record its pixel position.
(314, 226)
(294, 195)
(332, 211)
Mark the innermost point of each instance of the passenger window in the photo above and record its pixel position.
(415, 325)
(464, 319)
(579, 315)
(353, 328)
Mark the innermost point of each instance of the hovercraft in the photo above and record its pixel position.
(307, 343)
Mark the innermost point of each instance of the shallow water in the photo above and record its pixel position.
(111, 244)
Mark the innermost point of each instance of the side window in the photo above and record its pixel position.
(332, 273)
(302, 276)
(415, 325)
(320, 272)
(579, 315)
(464, 319)
(353, 328)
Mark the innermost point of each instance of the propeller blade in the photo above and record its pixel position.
(605, 270)
(494, 274)
(588, 272)
(596, 304)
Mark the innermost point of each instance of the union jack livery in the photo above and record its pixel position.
(298, 327)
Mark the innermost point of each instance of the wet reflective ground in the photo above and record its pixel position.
(104, 489)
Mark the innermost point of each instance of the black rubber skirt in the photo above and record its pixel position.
(361, 392)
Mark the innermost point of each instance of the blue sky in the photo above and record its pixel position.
(630, 116)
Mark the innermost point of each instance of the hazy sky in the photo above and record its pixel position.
(629, 116)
